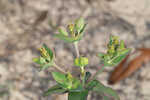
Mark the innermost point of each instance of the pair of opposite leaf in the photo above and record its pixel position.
(67, 82)
(73, 33)
(46, 59)
(116, 52)
(76, 92)
(125, 69)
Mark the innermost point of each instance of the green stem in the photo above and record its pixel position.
(98, 72)
(59, 69)
(83, 76)
(76, 49)
(82, 67)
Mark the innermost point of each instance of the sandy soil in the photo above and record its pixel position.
(26, 24)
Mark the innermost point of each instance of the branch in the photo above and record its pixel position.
(59, 69)
(98, 72)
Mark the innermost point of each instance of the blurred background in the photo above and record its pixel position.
(26, 24)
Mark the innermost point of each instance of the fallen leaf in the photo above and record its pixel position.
(118, 70)
(124, 70)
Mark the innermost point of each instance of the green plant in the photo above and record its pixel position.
(79, 87)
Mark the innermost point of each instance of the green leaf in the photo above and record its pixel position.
(100, 88)
(63, 32)
(124, 51)
(69, 39)
(79, 24)
(81, 61)
(78, 95)
(40, 60)
(54, 89)
(79, 37)
(78, 89)
(122, 46)
(82, 30)
(59, 77)
(76, 84)
(91, 84)
(36, 60)
(45, 66)
(65, 81)
(65, 38)
(118, 58)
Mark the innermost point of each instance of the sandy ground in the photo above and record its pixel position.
(26, 24)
